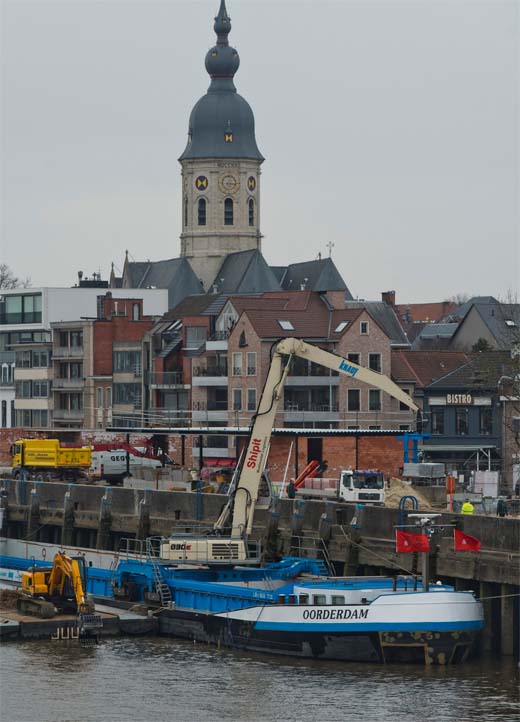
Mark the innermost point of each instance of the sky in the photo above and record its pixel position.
(390, 129)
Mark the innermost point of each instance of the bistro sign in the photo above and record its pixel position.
(459, 399)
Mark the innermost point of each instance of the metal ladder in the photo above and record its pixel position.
(161, 587)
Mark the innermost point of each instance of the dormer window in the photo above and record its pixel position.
(341, 327)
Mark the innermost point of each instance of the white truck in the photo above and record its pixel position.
(112, 465)
(363, 486)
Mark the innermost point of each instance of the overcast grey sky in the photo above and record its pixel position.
(389, 128)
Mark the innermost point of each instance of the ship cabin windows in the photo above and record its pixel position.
(292, 598)
(319, 599)
(228, 212)
(304, 598)
(337, 599)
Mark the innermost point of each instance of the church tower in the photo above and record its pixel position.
(220, 167)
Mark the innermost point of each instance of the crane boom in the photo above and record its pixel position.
(255, 459)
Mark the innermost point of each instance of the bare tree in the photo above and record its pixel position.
(9, 280)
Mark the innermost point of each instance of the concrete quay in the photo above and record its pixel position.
(103, 517)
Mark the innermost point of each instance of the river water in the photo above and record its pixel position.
(160, 679)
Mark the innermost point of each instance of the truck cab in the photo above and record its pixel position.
(366, 486)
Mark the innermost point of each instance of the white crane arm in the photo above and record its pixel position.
(258, 447)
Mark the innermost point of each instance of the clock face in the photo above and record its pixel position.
(201, 183)
(229, 183)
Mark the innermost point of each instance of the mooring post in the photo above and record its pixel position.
(105, 520)
(506, 620)
(67, 529)
(33, 513)
(143, 525)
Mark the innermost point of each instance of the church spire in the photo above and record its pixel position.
(222, 24)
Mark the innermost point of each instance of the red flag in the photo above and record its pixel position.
(405, 542)
(465, 542)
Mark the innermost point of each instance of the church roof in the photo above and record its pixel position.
(175, 274)
(221, 123)
(319, 275)
(245, 272)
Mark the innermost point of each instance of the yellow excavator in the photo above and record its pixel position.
(47, 591)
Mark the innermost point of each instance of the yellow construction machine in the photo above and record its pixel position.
(61, 588)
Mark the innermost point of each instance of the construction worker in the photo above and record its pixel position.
(467, 507)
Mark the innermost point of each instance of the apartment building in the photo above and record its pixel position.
(26, 319)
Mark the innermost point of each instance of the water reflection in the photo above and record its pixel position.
(151, 679)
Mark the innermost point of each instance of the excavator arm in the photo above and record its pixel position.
(255, 458)
(66, 569)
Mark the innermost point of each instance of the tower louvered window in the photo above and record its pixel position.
(228, 212)
(251, 212)
(185, 212)
(201, 214)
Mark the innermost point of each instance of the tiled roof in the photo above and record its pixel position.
(312, 322)
(412, 312)
(423, 367)
(482, 371)
(501, 319)
(385, 317)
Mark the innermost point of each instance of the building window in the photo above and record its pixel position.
(40, 359)
(76, 370)
(404, 427)
(11, 421)
(354, 357)
(195, 336)
(40, 417)
(76, 339)
(237, 399)
(237, 364)
(228, 212)
(4, 414)
(64, 339)
(363, 328)
(374, 362)
(251, 363)
(20, 308)
(353, 400)
(251, 399)
(201, 212)
(486, 421)
(127, 362)
(108, 397)
(22, 389)
(99, 395)
(136, 312)
(461, 421)
(40, 389)
(437, 421)
(251, 212)
(375, 428)
(404, 407)
(23, 359)
(185, 211)
(129, 394)
(374, 400)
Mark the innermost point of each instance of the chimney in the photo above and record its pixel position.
(388, 297)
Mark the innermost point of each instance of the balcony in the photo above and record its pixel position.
(205, 411)
(311, 412)
(67, 352)
(308, 380)
(209, 376)
(165, 379)
(68, 384)
(69, 415)
(215, 447)
(218, 341)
